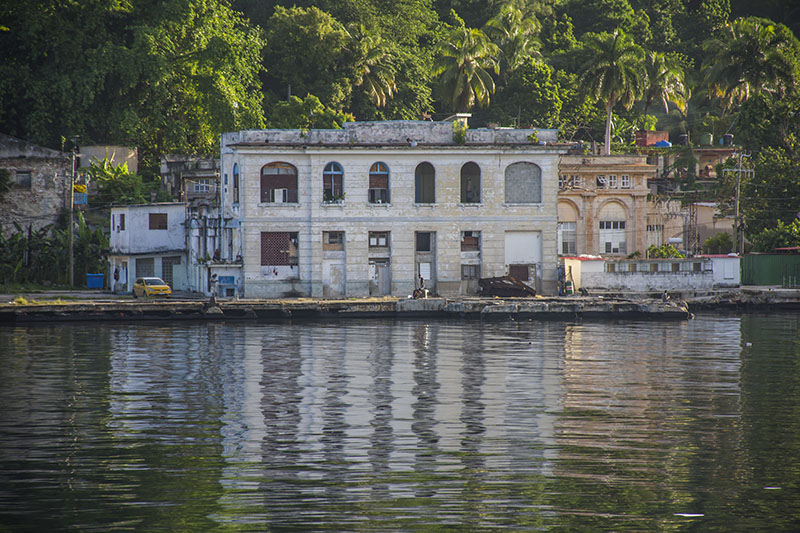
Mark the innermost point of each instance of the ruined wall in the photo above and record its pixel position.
(40, 180)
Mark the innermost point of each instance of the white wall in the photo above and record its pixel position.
(137, 237)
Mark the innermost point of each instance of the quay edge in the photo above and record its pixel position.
(575, 308)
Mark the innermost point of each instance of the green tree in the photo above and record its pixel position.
(782, 235)
(753, 55)
(374, 68)
(464, 62)
(721, 243)
(531, 97)
(306, 114)
(115, 185)
(773, 192)
(613, 75)
(307, 54)
(665, 251)
(515, 34)
(665, 81)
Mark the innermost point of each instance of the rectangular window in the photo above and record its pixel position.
(676, 267)
(236, 188)
(562, 181)
(470, 271)
(568, 238)
(653, 267)
(122, 221)
(334, 237)
(611, 267)
(278, 248)
(203, 186)
(158, 221)
(625, 181)
(696, 267)
(519, 272)
(378, 196)
(632, 267)
(612, 181)
(423, 241)
(23, 179)
(378, 239)
(470, 241)
(601, 182)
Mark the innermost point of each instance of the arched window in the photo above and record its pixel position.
(425, 184)
(470, 184)
(523, 183)
(378, 184)
(333, 183)
(279, 183)
(236, 183)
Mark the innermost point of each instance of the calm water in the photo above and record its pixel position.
(383, 425)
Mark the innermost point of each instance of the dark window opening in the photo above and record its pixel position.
(470, 271)
(333, 183)
(423, 241)
(378, 192)
(470, 184)
(425, 184)
(236, 183)
(23, 179)
(122, 221)
(519, 272)
(279, 183)
(158, 221)
(470, 241)
(278, 248)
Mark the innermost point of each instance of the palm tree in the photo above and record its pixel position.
(665, 81)
(613, 74)
(463, 62)
(515, 33)
(754, 55)
(374, 69)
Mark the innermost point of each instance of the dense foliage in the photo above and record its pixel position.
(171, 75)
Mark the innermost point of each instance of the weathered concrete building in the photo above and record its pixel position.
(40, 179)
(148, 240)
(603, 205)
(368, 209)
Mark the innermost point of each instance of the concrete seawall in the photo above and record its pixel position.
(461, 308)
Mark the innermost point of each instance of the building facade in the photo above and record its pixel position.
(603, 206)
(374, 207)
(148, 240)
(40, 181)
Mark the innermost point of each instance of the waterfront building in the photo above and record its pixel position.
(372, 208)
(148, 240)
(603, 206)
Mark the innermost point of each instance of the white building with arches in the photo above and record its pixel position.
(603, 206)
(372, 208)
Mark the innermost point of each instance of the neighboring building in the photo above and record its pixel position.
(148, 240)
(603, 206)
(40, 182)
(368, 209)
(196, 181)
(642, 275)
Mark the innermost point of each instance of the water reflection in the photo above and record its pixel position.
(400, 425)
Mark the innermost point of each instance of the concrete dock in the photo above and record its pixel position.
(575, 308)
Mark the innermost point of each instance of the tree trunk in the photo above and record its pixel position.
(609, 108)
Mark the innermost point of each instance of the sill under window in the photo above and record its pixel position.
(416, 204)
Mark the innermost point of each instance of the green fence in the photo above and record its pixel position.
(771, 269)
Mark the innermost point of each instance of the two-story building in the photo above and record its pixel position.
(372, 208)
(603, 205)
(148, 240)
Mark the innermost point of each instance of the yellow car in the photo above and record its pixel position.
(150, 287)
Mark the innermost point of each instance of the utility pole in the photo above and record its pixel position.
(738, 232)
(70, 229)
